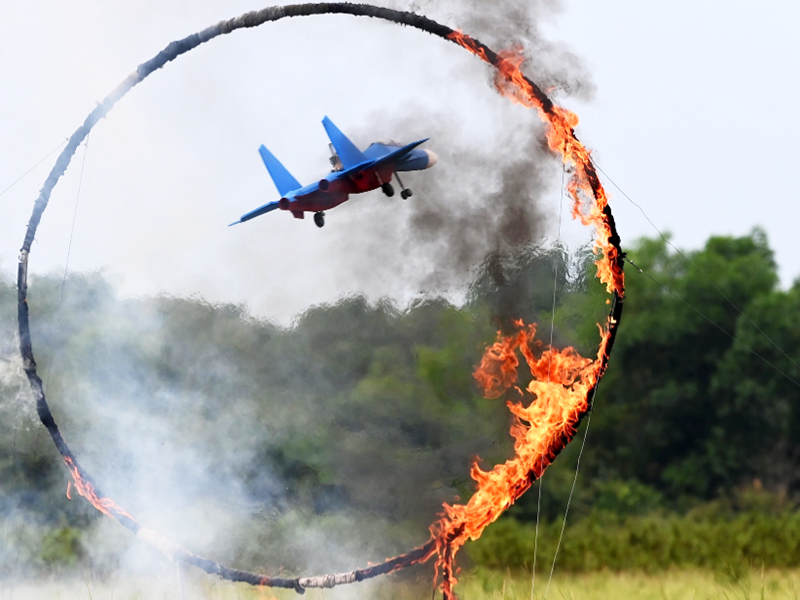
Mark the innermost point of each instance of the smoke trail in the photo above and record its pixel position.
(485, 197)
(515, 23)
(446, 544)
(482, 199)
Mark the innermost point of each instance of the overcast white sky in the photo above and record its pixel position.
(694, 116)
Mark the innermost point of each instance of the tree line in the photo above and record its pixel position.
(367, 410)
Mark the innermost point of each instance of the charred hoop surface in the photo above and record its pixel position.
(444, 541)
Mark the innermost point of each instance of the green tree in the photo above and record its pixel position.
(659, 416)
(758, 433)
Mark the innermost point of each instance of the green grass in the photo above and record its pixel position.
(494, 585)
(669, 585)
(753, 584)
(648, 543)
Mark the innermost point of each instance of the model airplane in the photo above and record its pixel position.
(353, 172)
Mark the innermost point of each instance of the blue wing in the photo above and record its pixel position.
(399, 153)
(257, 212)
(348, 153)
(282, 178)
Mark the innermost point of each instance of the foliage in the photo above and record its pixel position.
(367, 411)
(711, 536)
(664, 414)
(62, 546)
(752, 584)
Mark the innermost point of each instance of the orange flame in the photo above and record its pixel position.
(562, 379)
(85, 488)
(583, 184)
(558, 399)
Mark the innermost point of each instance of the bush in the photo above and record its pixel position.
(654, 542)
(62, 547)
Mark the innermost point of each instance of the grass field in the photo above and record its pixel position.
(675, 585)
(478, 585)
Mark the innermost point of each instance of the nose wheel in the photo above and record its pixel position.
(319, 219)
(405, 193)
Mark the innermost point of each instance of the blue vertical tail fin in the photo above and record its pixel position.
(282, 178)
(348, 153)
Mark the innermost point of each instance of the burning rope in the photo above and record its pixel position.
(541, 430)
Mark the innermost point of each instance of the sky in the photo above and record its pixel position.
(687, 106)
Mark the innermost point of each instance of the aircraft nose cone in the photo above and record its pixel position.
(432, 158)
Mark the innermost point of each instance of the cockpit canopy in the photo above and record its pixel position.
(388, 142)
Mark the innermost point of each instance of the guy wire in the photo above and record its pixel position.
(710, 320)
(702, 274)
(26, 173)
(49, 366)
(549, 365)
(571, 491)
(69, 252)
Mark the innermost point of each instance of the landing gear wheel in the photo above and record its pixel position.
(319, 219)
(387, 189)
(406, 194)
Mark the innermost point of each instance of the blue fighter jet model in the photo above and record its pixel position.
(353, 172)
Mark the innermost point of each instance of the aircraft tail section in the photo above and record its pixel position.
(282, 178)
(348, 152)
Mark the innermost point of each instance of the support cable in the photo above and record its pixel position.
(571, 492)
(26, 173)
(549, 365)
(66, 262)
(702, 274)
(58, 317)
(577, 466)
(710, 320)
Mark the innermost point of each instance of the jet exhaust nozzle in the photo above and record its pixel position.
(283, 204)
(324, 185)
